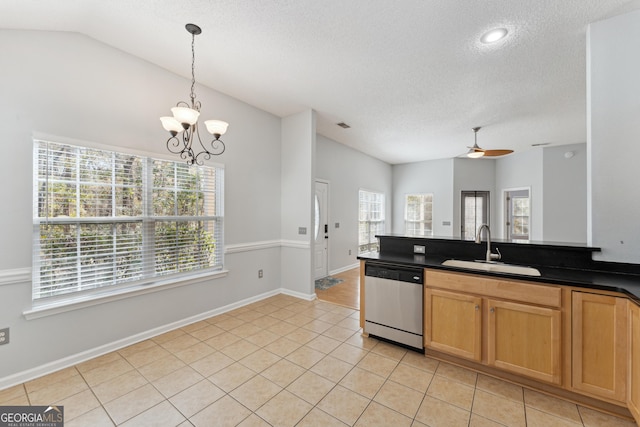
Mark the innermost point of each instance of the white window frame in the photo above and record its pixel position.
(371, 224)
(424, 224)
(148, 283)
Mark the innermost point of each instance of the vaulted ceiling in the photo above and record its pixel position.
(411, 77)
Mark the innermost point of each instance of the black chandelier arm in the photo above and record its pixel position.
(217, 147)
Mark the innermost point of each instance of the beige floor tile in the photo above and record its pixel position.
(283, 346)
(255, 392)
(250, 315)
(78, 404)
(230, 323)
(239, 349)
(499, 409)
(400, 398)
(318, 418)
(133, 403)
(18, 401)
(331, 368)
(311, 387)
(146, 356)
(192, 327)
(97, 417)
(283, 372)
(161, 367)
(350, 323)
(163, 414)
(452, 392)
(537, 418)
(420, 361)
(196, 398)
(377, 415)
(119, 386)
(177, 381)
(98, 361)
(332, 318)
(305, 357)
(58, 391)
(338, 333)
(180, 343)
(299, 319)
(282, 314)
(246, 330)
(223, 340)
(324, 344)
(552, 405)
(195, 352)
(349, 353)
(377, 364)
(168, 336)
(107, 371)
(592, 418)
(212, 363)
(207, 332)
(412, 377)
(344, 404)
(266, 308)
(223, 412)
(478, 421)
(285, 410)
(436, 413)
(137, 347)
(389, 350)
(302, 336)
(363, 382)
(317, 326)
(260, 360)
(500, 388)
(282, 328)
(51, 379)
(457, 373)
(262, 338)
(12, 393)
(232, 376)
(254, 421)
(361, 341)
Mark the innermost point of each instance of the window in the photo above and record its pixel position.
(517, 214)
(104, 219)
(418, 215)
(371, 220)
(475, 212)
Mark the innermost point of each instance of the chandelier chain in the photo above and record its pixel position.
(193, 69)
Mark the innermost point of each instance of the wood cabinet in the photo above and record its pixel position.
(599, 345)
(453, 323)
(469, 316)
(633, 378)
(525, 339)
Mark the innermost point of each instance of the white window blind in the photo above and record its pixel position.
(418, 214)
(104, 219)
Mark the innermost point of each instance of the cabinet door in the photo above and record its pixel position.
(599, 344)
(453, 323)
(634, 361)
(525, 339)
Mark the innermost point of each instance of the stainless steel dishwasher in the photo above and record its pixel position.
(393, 303)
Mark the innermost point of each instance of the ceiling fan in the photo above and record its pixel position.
(475, 151)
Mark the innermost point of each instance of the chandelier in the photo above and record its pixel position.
(183, 126)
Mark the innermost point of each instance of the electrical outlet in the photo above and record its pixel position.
(4, 336)
(302, 230)
(260, 274)
(418, 249)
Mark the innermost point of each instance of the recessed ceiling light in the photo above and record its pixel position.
(494, 35)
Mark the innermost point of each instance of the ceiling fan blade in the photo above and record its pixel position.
(496, 153)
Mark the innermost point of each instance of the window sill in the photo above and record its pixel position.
(40, 310)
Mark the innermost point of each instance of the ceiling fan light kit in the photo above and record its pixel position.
(477, 152)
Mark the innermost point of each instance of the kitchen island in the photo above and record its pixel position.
(573, 331)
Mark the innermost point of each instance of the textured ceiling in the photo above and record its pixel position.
(410, 77)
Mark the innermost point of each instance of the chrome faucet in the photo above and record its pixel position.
(490, 256)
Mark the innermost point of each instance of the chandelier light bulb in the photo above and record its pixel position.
(185, 115)
(171, 124)
(216, 127)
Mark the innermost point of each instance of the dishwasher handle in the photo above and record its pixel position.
(410, 275)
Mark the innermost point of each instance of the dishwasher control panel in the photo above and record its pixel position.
(401, 274)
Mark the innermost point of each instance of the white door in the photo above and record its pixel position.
(321, 230)
(517, 214)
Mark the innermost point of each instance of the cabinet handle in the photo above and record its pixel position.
(492, 309)
(477, 307)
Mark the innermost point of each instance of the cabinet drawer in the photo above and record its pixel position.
(531, 293)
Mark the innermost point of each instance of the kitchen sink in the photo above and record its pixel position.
(492, 267)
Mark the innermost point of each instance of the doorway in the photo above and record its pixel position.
(517, 214)
(474, 208)
(321, 229)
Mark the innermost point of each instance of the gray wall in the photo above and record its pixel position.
(68, 85)
(348, 171)
(613, 136)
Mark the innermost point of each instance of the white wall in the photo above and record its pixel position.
(347, 171)
(71, 86)
(613, 136)
(565, 193)
(435, 176)
(521, 170)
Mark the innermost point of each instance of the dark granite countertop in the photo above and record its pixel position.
(605, 279)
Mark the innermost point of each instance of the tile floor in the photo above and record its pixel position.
(287, 362)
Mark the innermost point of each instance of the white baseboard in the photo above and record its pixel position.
(48, 368)
(343, 269)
